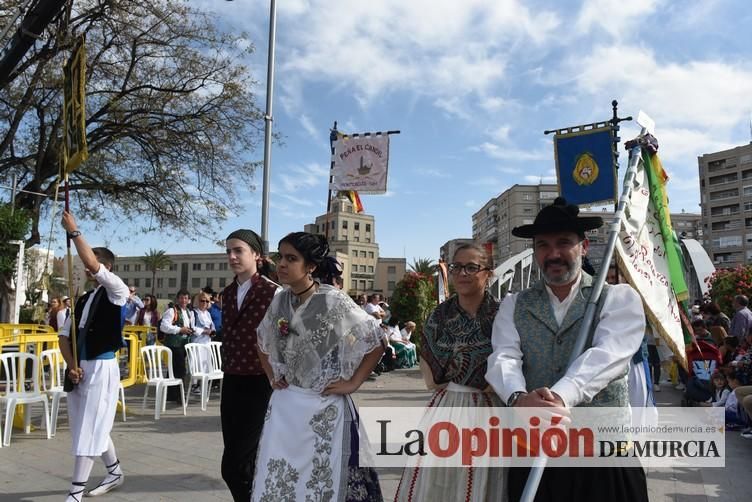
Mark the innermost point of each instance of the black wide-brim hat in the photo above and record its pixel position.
(559, 217)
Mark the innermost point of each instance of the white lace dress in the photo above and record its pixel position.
(308, 448)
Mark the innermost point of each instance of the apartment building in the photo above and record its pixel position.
(518, 205)
(726, 201)
(446, 252)
(191, 272)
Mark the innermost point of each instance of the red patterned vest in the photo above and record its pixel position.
(239, 349)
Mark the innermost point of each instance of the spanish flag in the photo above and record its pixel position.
(355, 199)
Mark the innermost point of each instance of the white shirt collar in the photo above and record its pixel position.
(243, 289)
(560, 308)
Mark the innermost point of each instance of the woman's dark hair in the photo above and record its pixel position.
(330, 271)
(313, 248)
(485, 258)
(712, 308)
(731, 341)
(267, 268)
(152, 302)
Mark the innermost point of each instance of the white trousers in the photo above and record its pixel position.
(92, 405)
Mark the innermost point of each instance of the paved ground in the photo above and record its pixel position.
(177, 457)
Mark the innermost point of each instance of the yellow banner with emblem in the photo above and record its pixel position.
(75, 150)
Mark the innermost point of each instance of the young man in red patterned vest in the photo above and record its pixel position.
(246, 390)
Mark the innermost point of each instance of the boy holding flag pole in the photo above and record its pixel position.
(92, 334)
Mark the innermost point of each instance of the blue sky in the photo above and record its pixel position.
(472, 85)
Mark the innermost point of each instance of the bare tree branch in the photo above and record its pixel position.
(172, 120)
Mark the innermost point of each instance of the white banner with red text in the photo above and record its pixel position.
(579, 437)
(360, 163)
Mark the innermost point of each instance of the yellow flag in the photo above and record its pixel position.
(74, 108)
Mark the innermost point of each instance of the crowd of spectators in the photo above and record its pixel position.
(720, 363)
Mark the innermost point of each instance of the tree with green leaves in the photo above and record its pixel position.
(155, 260)
(14, 226)
(171, 117)
(424, 266)
(413, 299)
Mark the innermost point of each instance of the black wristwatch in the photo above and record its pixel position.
(514, 397)
(74, 234)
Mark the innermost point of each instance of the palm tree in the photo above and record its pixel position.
(424, 266)
(155, 260)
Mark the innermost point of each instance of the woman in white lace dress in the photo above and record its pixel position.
(317, 347)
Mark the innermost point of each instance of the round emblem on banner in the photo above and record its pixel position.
(585, 169)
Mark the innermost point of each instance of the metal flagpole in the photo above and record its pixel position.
(332, 138)
(536, 472)
(268, 126)
(615, 129)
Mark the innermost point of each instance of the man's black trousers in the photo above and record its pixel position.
(243, 408)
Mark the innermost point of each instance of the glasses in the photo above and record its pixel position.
(470, 268)
(203, 301)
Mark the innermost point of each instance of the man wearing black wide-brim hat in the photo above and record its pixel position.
(534, 334)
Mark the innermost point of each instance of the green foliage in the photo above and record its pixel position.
(413, 300)
(725, 284)
(155, 259)
(13, 227)
(26, 315)
(424, 266)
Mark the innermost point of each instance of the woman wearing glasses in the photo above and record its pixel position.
(203, 332)
(455, 345)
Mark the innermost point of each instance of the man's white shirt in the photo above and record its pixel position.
(373, 309)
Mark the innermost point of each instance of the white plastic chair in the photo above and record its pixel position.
(14, 365)
(216, 353)
(158, 377)
(52, 384)
(200, 364)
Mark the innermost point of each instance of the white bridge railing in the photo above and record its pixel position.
(514, 274)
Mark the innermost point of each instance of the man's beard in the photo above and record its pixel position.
(573, 269)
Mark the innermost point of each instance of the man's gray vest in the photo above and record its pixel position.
(546, 347)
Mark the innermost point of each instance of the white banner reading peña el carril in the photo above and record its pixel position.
(360, 163)
(642, 254)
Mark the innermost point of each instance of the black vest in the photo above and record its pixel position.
(102, 331)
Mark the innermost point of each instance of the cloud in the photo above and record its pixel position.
(305, 122)
(435, 173)
(510, 153)
(298, 201)
(704, 93)
(445, 49)
(509, 170)
(500, 134)
(534, 180)
(297, 178)
(601, 14)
